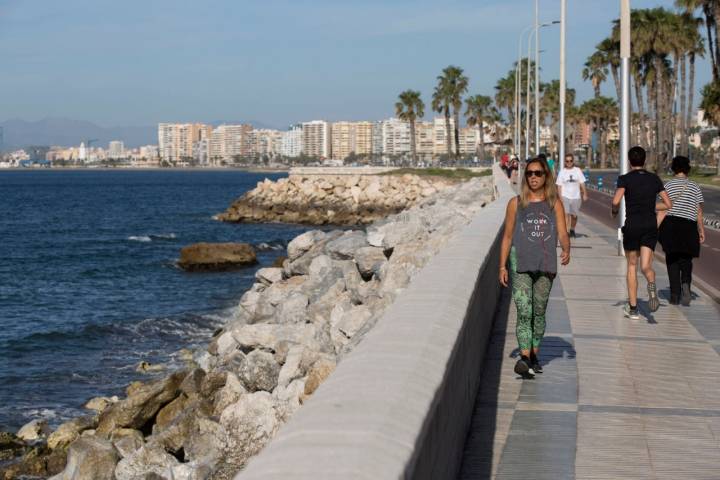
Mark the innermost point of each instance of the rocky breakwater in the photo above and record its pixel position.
(333, 199)
(288, 333)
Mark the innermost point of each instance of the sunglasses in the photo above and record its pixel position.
(534, 173)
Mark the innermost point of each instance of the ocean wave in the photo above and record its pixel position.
(151, 237)
(272, 245)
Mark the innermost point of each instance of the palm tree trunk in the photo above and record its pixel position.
(642, 134)
(658, 112)
(682, 124)
(717, 42)
(482, 140)
(691, 98)
(448, 139)
(616, 79)
(457, 134)
(413, 153)
(712, 44)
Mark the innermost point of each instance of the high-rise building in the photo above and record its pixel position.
(441, 136)
(291, 141)
(229, 141)
(425, 140)
(395, 137)
(316, 139)
(116, 149)
(351, 137)
(264, 142)
(175, 140)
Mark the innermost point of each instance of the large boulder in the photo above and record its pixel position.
(127, 441)
(141, 405)
(67, 432)
(271, 335)
(344, 247)
(10, 446)
(90, 458)
(259, 371)
(144, 462)
(320, 370)
(33, 430)
(369, 260)
(216, 256)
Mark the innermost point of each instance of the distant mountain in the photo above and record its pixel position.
(254, 123)
(66, 132)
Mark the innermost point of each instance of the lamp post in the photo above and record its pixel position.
(518, 91)
(563, 86)
(625, 102)
(537, 78)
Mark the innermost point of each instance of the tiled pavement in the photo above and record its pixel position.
(619, 399)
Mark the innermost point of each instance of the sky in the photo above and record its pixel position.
(277, 62)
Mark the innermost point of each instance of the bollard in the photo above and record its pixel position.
(599, 183)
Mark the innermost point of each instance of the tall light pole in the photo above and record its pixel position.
(561, 153)
(537, 77)
(518, 91)
(527, 99)
(624, 102)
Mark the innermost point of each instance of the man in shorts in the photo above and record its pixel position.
(571, 189)
(640, 189)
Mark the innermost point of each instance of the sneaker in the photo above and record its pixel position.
(523, 368)
(685, 295)
(572, 234)
(653, 300)
(631, 312)
(535, 363)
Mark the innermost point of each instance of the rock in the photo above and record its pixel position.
(289, 398)
(148, 459)
(269, 276)
(142, 404)
(169, 413)
(375, 238)
(67, 432)
(127, 441)
(225, 344)
(302, 243)
(99, 404)
(192, 382)
(11, 446)
(318, 373)
(291, 368)
(213, 382)
(228, 394)
(216, 256)
(344, 248)
(278, 292)
(369, 260)
(90, 458)
(394, 278)
(146, 367)
(250, 423)
(34, 430)
(260, 371)
(191, 471)
(348, 324)
(293, 309)
(270, 335)
(204, 441)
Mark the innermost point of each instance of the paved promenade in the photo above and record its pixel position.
(618, 399)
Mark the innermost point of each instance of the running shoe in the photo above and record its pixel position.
(631, 312)
(653, 300)
(572, 234)
(535, 363)
(523, 368)
(685, 295)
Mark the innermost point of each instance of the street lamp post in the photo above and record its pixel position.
(537, 78)
(518, 91)
(625, 102)
(561, 133)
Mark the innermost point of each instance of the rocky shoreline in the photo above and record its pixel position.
(288, 332)
(333, 199)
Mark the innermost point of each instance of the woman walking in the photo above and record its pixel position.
(681, 230)
(534, 221)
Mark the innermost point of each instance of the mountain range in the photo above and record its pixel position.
(20, 133)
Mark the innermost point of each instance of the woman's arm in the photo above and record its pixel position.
(562, 232)
(510, 213)
(701, 225)
(665, 204)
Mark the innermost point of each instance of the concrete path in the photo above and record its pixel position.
(619, 398)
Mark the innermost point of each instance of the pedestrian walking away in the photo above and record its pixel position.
(681, 230)
(534, 221)
(640, 189)
(571, 188)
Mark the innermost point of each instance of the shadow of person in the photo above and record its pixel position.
(643, 310)
(551, 348)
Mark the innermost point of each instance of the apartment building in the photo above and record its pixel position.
(291, 141)
(116, 149)
(265, 142)
(395, 137)
(316, 139)
(425, 140)
(351, 137)
(175, 140)
(228, 142)
(440, 136)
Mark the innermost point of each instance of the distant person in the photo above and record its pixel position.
(513, 171)
(534, 220)
(571, 189)
(681, 230)
(550, 162)
(640, 189)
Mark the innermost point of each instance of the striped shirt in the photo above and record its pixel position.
(686, 196)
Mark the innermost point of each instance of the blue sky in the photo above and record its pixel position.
(135, 62)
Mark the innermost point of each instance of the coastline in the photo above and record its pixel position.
(151, 169)
(274, 353)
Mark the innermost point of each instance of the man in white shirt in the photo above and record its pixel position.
(571, 188)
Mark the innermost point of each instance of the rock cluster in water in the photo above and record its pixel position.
(288, 333)
(332, 199)
(216, 256)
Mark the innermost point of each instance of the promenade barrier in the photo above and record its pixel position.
(366, 170)
(399, 405)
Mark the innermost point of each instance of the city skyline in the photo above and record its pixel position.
(277, 64)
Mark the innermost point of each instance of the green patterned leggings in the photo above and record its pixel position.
(530, 292)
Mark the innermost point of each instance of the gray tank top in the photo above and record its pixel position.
(535, 238)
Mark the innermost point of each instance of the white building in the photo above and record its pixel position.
(116, 149)
(316, 139)
(395, 137)
(291, 141)
(175, 140)
(228, 142)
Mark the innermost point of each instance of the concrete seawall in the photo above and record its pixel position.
(399, 405)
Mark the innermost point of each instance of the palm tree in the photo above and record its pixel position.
(452, 84)
(711, 11)
(601, 112)
(409, 108)
(711, 105)
(596, 71)
(550, 106)
(481, 111)
(441, 104)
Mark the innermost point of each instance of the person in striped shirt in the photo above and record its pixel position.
(681, 230)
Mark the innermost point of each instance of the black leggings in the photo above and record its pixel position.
(679, 267)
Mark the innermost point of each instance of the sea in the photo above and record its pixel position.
(89, 286)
